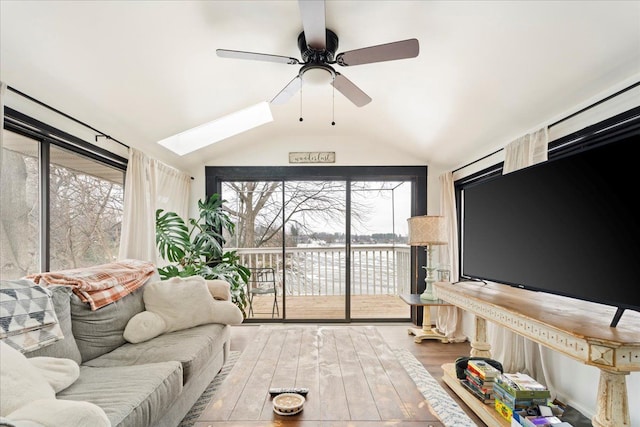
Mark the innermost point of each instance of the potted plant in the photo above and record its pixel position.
(195, 247)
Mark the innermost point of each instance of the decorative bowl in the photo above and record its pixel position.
(288, 403)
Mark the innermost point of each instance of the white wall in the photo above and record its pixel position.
(275, 152)
(576, 383)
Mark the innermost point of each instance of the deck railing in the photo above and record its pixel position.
(321, 270)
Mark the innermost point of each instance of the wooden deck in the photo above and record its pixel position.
(331, 307)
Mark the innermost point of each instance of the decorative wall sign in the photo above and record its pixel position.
(312, 157)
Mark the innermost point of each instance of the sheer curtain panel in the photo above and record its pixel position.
(449, 319)
(149, 185)
(526, 151)
(172, 190)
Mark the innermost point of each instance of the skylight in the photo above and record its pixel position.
(219, 129)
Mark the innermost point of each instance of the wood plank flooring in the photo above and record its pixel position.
(432, 354)
(351, 373)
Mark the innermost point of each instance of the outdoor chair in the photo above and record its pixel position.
(263, 282)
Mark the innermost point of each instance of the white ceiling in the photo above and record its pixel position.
(487, 72)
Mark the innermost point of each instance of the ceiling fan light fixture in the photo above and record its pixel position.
(318, 46)
(218, 129)
(317, 74)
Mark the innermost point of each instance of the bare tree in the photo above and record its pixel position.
(86, 213)
(84, 221)
(260, 209)
(19, 217)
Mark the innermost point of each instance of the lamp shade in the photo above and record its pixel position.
(427, 230)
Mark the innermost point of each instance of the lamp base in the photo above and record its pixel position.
(427, 295)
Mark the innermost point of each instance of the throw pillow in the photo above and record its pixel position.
(65, 348)
(28, 392)
(219, 289)
(178, 303)
(27, 318)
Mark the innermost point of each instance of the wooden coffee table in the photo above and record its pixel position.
(351, 373)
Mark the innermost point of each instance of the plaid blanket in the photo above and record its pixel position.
(100, 285)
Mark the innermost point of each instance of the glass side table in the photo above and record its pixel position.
(427, 331)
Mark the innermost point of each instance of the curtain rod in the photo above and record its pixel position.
(620, 92)
(100, 134)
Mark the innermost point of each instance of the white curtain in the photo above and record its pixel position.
(516, 353)
(150, 185)
(526, 151)
(449, 319)
(172, 190)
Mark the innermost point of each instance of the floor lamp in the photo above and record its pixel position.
(428, 231)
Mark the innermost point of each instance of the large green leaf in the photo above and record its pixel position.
(168, 272)
(208, 246)
(213, 215)
(172, 236)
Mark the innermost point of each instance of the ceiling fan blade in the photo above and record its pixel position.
(289, 90)
(383, 52)
(238, 54)
(313, 23)
(350, 90)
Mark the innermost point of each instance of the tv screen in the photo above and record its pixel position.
(567, 226)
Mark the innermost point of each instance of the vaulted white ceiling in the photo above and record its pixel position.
(487, 72)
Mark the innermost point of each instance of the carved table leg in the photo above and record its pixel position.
(612, 407)
(479, 346)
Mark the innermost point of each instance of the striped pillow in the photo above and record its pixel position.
(27, 318)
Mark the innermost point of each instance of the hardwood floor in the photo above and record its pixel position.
(431, 353)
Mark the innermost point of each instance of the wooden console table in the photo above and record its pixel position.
(578, 329)
(427, 332)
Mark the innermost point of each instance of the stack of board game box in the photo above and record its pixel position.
(480, 380)
(517, 391)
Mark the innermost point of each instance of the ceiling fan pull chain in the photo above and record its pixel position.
(300, 103)
(333, 106)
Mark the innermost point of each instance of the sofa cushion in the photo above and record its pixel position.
(191, 347)
(100, 331)
(65, 348)
(130, 395)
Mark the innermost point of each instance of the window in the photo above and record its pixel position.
(20, 206)
(86, 202)
(61, 202)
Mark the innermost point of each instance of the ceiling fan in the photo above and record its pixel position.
(318, 47)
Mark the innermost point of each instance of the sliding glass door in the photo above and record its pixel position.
(256, 209)
(315, 254)
(337, 247)
(380, 256)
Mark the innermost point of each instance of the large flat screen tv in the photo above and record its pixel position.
(567, 226)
